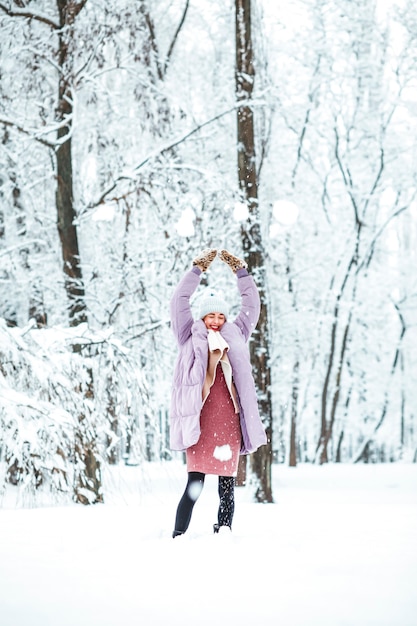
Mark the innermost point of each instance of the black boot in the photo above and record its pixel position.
(216, 527)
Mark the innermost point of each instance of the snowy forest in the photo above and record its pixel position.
(134, 134)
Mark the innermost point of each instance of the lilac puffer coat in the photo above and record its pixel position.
(191, 364)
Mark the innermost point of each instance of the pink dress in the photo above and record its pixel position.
(217, 450)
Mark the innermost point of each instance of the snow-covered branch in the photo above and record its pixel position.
(33, 134)
(160, 151)
(30, 15)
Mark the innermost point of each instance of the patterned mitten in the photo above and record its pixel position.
(232, 261)
(204, 259)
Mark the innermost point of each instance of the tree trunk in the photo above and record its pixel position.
(295, 376)
(339, 447)
(261, 461)
(324, 457)
(242, 471)
(88, 481)
(336, 358)
(363, 454)
(88, 487)
(294, 409)
(68, 10)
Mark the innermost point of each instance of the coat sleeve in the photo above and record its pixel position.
(250, 304)
(181, 315)
(200, 349)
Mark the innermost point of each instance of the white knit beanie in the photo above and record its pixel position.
(212, 302)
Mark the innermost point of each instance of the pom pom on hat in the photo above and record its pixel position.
(212, 302)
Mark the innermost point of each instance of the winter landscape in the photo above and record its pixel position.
(337, 548)
(133, 135)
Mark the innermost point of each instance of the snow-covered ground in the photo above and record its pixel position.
(338, 548)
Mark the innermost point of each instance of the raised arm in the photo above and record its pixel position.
(251, 306)
(248, 315)
(181, 315)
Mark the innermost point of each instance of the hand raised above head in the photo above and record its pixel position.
(204, 259)
(234, 262)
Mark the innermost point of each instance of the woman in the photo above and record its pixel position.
(214, 411)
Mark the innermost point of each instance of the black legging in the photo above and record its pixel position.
(190, 496)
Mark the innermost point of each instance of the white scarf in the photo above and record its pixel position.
(216, 341)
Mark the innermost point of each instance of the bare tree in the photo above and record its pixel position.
(261, 461)
(68, 11)
(63, 30)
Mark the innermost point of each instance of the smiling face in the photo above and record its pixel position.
(214, 321)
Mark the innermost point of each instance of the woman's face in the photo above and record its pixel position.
(214, 321)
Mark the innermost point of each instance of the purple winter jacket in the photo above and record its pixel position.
(191, 365)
